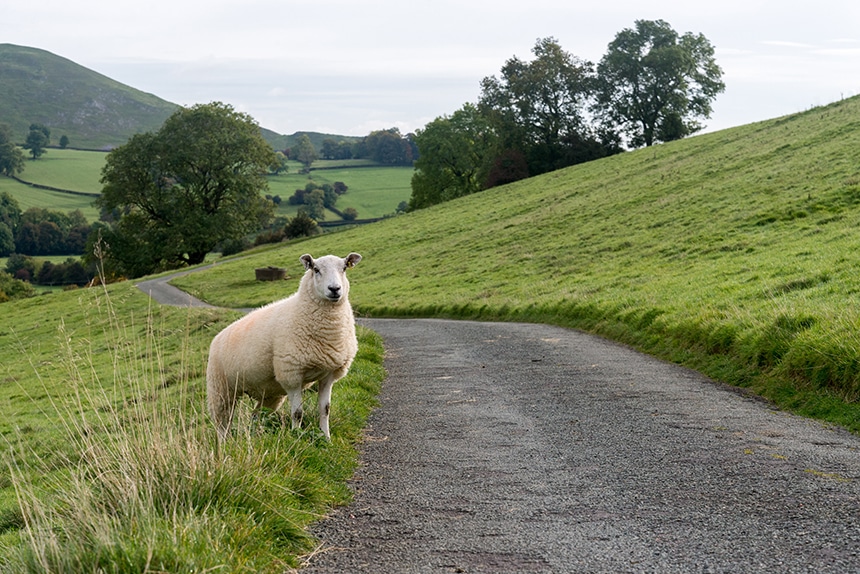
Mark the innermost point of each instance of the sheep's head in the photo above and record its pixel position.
(328, 275)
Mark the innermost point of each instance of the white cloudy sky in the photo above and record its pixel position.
(352, 66)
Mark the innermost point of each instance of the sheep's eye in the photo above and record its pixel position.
(316, 270)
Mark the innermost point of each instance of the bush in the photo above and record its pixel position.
(302, 225)
(11, 288)
(234, 246)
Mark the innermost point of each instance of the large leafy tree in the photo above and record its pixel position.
(175, 194)
(453, 157)
(539, 108)
(655, 85)
(11, 157)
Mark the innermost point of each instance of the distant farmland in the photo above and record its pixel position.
(373, 190)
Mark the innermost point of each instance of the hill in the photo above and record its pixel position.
(94, 111)
(734, 252)
(91, 109)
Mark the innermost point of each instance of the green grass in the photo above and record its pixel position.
(735, 253)
(67, 169)
(110, 461)
(373, 191)
(28, 197)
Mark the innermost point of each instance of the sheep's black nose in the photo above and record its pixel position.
(335, 291)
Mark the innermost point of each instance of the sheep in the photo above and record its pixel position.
(278, 350)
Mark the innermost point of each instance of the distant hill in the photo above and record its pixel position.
(91, 109)
(94, 111)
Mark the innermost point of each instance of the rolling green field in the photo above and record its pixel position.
(70, 169)
(734, 252)
(374, 191)
(28, 197)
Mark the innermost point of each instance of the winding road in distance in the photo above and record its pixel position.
(520, 448)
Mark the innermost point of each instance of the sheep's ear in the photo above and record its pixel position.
(352, 259)
(307, 261)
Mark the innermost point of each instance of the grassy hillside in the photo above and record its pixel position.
(91, 109)
(109, 456)
(733, 252)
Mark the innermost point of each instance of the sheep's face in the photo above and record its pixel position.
(328, 275)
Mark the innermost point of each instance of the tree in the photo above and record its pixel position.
(64, 141)
(388, 147)
(37, 140)
(7, 240)
(302, 225)
(655, 85)
(332, 149)
(539, 108)
(180, 191)
(10, 211)
(454, 152)
(280, 166)
(11, 157)
(315, 204)
(304, 151)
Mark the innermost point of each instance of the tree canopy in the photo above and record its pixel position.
(654, 85)
(540, 107)
(454, 152)
(11, 157)
(174, 194)
(37, 140)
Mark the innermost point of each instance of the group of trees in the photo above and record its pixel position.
(39, 231)
(316, 198)
(387, 147)
(70, 272)
(653, 85)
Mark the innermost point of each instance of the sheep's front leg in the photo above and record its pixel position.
(324, 402)
(294, 397)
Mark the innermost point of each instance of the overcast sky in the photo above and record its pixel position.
(352, 66)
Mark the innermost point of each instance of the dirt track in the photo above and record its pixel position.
(528, 448)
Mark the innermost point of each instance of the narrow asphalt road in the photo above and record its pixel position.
(518, 448)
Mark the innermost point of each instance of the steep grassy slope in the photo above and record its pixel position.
(91, 109)
(734, 252)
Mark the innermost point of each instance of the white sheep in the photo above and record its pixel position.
(278, 350)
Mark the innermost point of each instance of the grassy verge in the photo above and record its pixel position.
(734, 253)
(110, 462)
